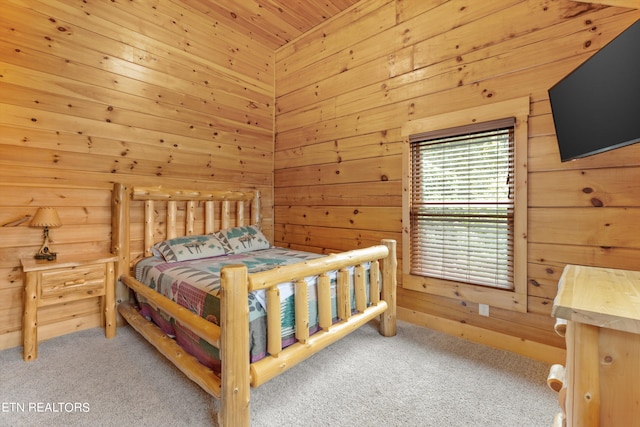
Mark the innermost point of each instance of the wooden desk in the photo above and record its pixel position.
(62, 280)
(602, 375)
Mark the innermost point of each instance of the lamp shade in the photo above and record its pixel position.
(46, 217)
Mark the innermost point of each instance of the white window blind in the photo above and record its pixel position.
(462, 204)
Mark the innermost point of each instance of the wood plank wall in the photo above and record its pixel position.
(98, 92)
(344, 90)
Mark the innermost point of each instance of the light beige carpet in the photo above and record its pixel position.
(418, 378)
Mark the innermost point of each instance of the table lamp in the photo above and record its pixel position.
(46, 217)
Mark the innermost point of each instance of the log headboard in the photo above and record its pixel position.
(169, 213)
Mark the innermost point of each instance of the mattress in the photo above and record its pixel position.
(195, 285)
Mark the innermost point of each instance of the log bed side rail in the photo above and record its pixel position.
(203, 328)
(206, 378)
(167, 346)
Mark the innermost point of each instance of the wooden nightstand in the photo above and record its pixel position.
(69, 278)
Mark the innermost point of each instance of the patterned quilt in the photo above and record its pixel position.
(195, 285)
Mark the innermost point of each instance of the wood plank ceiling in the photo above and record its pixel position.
(272, 23)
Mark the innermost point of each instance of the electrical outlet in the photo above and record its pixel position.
(483, 309)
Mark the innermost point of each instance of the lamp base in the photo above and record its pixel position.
(44, 253)
(49, 256)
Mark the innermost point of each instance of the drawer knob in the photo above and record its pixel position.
(74, 282)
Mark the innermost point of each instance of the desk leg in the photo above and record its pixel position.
(30, 319)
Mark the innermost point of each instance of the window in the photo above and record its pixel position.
(462, 204)
(465, 205)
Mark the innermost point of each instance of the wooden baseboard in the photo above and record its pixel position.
(533, 350)
(54, 329)
(10, 340)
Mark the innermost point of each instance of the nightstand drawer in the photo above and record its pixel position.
(66, 284)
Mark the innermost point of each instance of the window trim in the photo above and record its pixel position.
(515, 299)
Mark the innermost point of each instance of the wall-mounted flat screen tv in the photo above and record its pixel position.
(596, 107)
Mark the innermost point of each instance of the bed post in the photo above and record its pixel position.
(120, 197)
(234, 347)
(256, 216)
(389, 282)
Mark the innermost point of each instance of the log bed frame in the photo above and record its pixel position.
(238, 375)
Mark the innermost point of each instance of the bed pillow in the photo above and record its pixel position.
(192, 247)
(244, 239)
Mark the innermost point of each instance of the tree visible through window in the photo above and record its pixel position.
(462, 204)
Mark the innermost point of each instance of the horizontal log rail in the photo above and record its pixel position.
(294, 272)
(206, 330)
(270, 367)
(160, 193)
(189, 365)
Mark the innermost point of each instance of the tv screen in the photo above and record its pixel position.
(596, 107)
